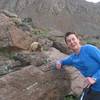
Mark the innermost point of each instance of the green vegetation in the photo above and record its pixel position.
(40, 32)
(7, 53)
(93, 41)
(70, 97)
(28, 21)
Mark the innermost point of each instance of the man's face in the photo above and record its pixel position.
(73, 42)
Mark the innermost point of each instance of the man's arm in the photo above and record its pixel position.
(64, 61)
(94, 52)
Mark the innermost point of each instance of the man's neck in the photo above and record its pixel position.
(77, 51)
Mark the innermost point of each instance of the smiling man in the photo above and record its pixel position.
(86, 58)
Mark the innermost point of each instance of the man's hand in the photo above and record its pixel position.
(89, 81)
(58, 66)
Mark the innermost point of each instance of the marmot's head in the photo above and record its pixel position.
(35, 46)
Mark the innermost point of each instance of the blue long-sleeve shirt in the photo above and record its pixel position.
(87, 62)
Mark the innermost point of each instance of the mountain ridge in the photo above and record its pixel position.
(65, 15)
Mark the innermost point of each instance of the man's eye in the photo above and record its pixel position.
(73, 38)
(68, 40)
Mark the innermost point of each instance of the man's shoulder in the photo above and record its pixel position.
(89, 47)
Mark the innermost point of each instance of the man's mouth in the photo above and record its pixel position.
(73, 45)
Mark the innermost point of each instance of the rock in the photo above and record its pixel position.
(11, 36)
(61, 47)
(30, 83)
(9, 14)
(38, 59)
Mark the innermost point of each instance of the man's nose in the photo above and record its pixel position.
(71, 41)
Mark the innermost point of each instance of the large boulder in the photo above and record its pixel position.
(31, 83)
(12, 36)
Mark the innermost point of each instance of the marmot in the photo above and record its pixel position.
(35, 46)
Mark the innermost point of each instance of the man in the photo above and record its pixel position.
(86, 58)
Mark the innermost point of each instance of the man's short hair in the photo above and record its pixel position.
(69, 33)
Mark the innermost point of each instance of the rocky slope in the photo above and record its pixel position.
(24, 74)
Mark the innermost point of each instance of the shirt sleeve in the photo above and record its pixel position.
(96, 76)
(95, 54)
(65, 61)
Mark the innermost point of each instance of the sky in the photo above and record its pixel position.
(94, 1)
